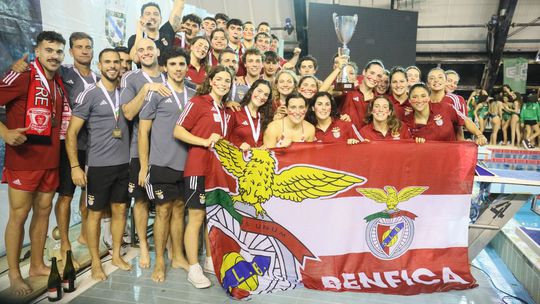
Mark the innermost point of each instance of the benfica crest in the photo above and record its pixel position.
(115, 27)
(390, 233)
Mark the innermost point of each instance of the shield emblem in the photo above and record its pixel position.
(115, 27)
(389, 238)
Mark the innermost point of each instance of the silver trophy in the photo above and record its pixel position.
(345, 26)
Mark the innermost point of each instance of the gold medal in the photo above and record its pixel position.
(117, 133)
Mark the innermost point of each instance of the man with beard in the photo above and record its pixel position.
(135, 87)
(32, 152)
(162, 159)
(191, 25)
(148, 27)
(106, 176)
(355, 102)
(229, 58)
(76, 79)
(126, 64)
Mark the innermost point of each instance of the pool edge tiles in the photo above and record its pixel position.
(522, 261)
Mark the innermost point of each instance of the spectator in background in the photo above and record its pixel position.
(148, 26)
(383, 85)
(274, 44)
(126, 64)
(529, 118)
(218, 42)
(307, 65)
(209, 25)
(221, 20)
(414, 75)
(263, 27)
(262, 41)
(190, 28)
(248, 35)
(270, 65)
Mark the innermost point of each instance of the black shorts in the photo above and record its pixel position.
(106, 185)
(66, 186)
(194, 193)
(164, 184)
(134, 190)
(530, 122)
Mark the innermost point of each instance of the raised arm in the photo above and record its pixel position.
(175, 18)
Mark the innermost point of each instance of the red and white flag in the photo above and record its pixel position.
(379, 217)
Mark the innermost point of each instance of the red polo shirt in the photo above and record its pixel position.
(240, 129)
(201, 119)
(401, 109)
(338, 131)
(195, 76)
(369, 132)
(356, 107)
(441, 125)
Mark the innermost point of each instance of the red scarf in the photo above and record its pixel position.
(41, 106)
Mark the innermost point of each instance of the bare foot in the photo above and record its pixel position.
(41, 270)
(180, 263)
(159, 272)
(120, 263)
(97, 272)
(82, 240)
(18, 287)
(144, 258)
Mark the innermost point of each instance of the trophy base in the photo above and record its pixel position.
(344, 86)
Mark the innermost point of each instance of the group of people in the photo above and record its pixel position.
(508, 111)
(146, 134)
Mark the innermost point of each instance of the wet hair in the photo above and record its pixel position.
(419, 85)
(374, 62)
(531, 98)
(106, 50)
(266, 109)
(221, 16)
(122, 49)
(393, 123)
(150, 4)
(234, 21)
(293, 95)
(78, 36)
(210, 18)
(274, 37)
(482, 98)
(174, 52)
(396, 70)
(271, 56)
(306, 58)
(193, 18)
(252, 51)
(248, 22)
(311, 117)
(50, 36)
(205, 88)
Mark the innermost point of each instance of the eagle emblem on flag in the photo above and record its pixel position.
(258, 179)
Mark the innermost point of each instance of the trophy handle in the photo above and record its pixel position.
(355, 19)
(335, 18)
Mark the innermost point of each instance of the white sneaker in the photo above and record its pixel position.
(197, 277)
(209, 266)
